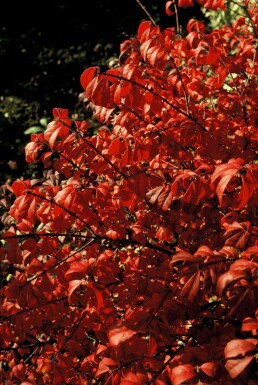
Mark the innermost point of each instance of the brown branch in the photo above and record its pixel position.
(147, 13)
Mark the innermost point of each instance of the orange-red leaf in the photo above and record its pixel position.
(182, 373)
(119, 334)
(131, 379)
(209, 368)
(249, 324)
(153, 194)
(239, 348)
(104, 366)
(55, 132)
(237, 366)
(239, 354)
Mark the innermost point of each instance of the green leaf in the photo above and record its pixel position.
(43, 122)
(33, 130)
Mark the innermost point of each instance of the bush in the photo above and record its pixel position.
(133, 260)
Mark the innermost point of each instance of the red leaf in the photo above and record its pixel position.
(55, 131)
(227, 168)
(18, 371)
(214, 4)
(206, 55)
(32, 151)
(18, 187)
(109, 361)
(98, 91)
(185, 3)
(92, 85)
(60, 113)
(237, 366)
(103, 114)
(192, 286)
(168, 10)
(113, 75)
(249, 324)
(235, 177)
(182, 373)
(240, 269)
(119, 334)
(117, 146)
(98, 294)
(239, 354)
(222, 185)
(184, 256)
(77, 270)
(237, 234)
(239, 348)
(229, 278)
(152, 348)
(152, 52)
(195, 25)
(87, 76)
(144, 26)
(153, 194)
(104, 366)
(24, 210)
(249, 185)
(131, 379)
(209, 368)
(116, 231)
(164, 234)
(165, 199)
(73, 285)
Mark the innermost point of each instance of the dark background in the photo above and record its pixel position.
(44, 48)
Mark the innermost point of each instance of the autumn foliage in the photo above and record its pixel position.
(134, 260)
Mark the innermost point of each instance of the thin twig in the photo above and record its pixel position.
(147, 13)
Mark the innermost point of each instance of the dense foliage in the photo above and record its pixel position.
(133, 260)
(44, 47)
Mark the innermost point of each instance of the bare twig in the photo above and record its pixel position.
(147, 13)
